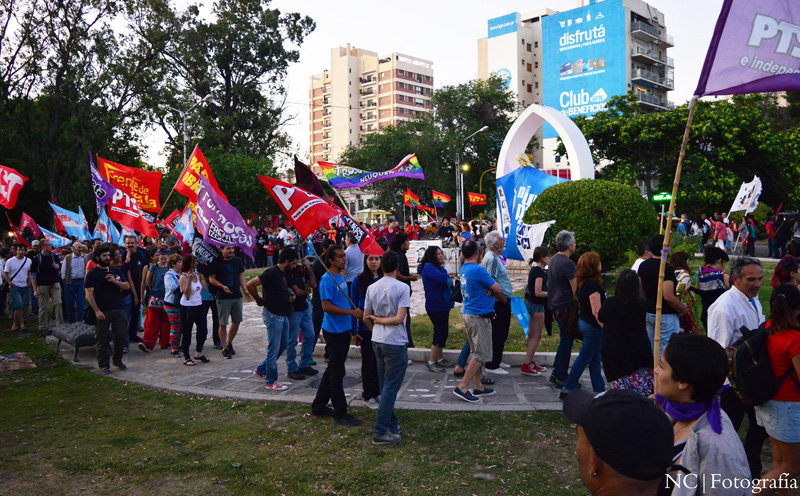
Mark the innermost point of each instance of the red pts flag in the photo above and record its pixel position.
(141, 185)
(366, 243)
(124, 209)
(27, 221)
(188, 182)
(476, 198)
(306, 211)
(11, 182)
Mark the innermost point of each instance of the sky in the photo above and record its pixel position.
(447, 32)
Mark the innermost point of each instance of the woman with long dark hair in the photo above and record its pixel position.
(192, 285)
(627, 354)
(369, 365)
(438, 303)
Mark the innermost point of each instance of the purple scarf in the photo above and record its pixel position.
(684, 412)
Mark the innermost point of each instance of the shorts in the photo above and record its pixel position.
(229, 308)
(479, 337)
(781, 419)
(533, 307)
(18, 296)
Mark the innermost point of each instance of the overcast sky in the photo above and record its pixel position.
(446, 32)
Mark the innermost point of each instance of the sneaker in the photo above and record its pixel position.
(325, 412)
(487, 391)
(218, 346)
(459, 374)
(487, 381)
(497, 371)
(175, 353)
(504, 365)
(528, 369)
(225, 354)
(135, 339)
(444, 363)
(297, 376)
(434, 367)
(144, 347)
(312, 362)
(105, 370)
(398, 431)
(410, 361)
(563, 395)
(120, 365)
(466, 395)
(557, 383)
(386, 438)
(347, 420)
(538, 367)
(256, 372)
(308, 371)
(277, 386)
(371, 403)
(230, 349)
(125, 349)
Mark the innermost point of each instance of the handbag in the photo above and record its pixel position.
(155, 303)
(456, 295)
(89, 317)
(572, 321)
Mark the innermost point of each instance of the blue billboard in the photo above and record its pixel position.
(503, 25)
(583, 59)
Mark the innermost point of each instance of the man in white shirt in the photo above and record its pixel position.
(737, 307)
(73, 272)
(385, 309)
(17, 274)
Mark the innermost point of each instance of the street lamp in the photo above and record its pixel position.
(460, 175)
(163, 106)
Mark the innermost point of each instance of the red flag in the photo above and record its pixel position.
(27, 221)
(476, 198)
(141, 185)
(19, 237)
(169, 221)
(427, 209)
(124, 209)
(188, 182)
(11, 182)
(59, 226)
(366, 243)
(306, 211)
(410, 199)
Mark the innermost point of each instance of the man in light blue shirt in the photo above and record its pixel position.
(355, 260)
(494, 264)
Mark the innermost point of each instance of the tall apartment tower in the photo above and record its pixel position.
(576, 60)
(362, 93)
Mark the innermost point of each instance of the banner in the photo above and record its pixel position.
(56, 240)
(184, 226)
(366, 243)
(427, 209)
(11, 182)
(747, 198)
(188, 183)
(103, 190)
(306, 211)
(529, 237)
(27, 221)
(343, 177)
(754, 49)
(19, 238)
(219, 222)
(515, 193)
(410, 199)
(416, 249)
(101, 228)
(140, 184)
(476, 198)
(124, 209)
(87, 234)
(206, 256)
(72, 222)
(439, 199)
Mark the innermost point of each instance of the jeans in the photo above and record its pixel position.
(670, 324)
(330, 387)
(463, 357)
(565, 342)
(773, 249)
(134, 315)
(278, 336)
(300, 323)
(588, 356)
(75, 296)
(392, 363)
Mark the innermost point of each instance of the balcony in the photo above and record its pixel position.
(326, 102)
(652, 78)
(367, 80)
(654, 101)
(367, 92)
(649, 56)
(368, 117)
(648, 32)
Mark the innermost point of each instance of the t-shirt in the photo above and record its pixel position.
(583, 294)
(474, 283)
(782, 347)
(402, 264)
(136, 266)
(494, 266)
(275, 291)
(445, 232)
(297, 277)
(536, 273)
(626, 347)
(636, 264)
(171, 240)
(157, 281)
(46, 268)
(23, 266)
(329, 291)
(355, 263)
(560, 271)
(107, 295)
(384, 298)
(195, 298)
(721, 231)
(227, 273)
(648, 273)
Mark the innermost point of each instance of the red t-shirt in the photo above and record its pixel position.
(411, 232)
(782, 347)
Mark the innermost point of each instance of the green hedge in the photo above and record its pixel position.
(606, 217)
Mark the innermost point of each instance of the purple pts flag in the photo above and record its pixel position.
(103, 190)
(219, 222)
(755, 49)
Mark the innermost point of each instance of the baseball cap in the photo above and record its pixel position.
(35, 242)
(627, 431)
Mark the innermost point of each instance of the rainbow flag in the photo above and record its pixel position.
(344, 177)
(410, 199)
(439, 199)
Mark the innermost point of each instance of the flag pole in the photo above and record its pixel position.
(313, 251)
(435, 210)
(667, 232)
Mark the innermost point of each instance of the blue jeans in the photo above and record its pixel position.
(463, 357)
(773, 249)
(278, 335)
(75, 296)
(565, 342)
(670, 324)
(392, 363)
(300, 322)
(588, 356)
(127, 303)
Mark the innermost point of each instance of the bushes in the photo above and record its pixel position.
(606, 217)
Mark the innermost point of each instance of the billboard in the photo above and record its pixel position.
(503, 25)
(583, 59)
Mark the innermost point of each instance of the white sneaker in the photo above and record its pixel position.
(497, 371)
(504, 365)
(371, 403)
(410, 361)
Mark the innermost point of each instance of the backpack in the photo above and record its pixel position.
(749, 370)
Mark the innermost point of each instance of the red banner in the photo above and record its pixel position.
(140, 184)
(188, 182)
(476, 198)
(11, 182)
(17, 235)
(27, 221)
(427, 209)
(124, 209)
(306, 211)
(169, 222)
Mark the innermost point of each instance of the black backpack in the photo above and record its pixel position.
(749, 370)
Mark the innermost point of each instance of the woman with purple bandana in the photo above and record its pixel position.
(690, 377)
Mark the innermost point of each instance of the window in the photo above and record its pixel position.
(410, 74)
(402, 86)
(350, 83)
(528, 47)
(401, 72)
(427, 79)
(383, 74)
(523, 62)
(523, 42)
(529, 68)
(535, 44)
(401, 110)
(350, 71)
(530, 90)
(537, 84)
(401, 98)
(536, 65)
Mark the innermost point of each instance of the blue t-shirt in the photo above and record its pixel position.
(474, 283)
(335, 324)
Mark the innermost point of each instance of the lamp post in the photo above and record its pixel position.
(460, 175)
(163, 106)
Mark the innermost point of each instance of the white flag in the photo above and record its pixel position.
(747, 198)
(530, 236)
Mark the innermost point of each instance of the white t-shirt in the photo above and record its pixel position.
(384, 297)
(636, 264)
(195, 298)
(13, 266)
